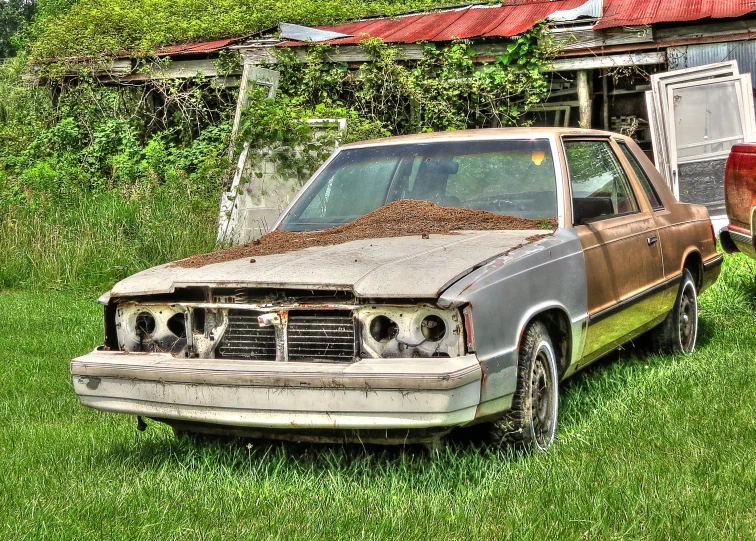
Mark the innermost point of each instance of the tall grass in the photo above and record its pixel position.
(101, 238)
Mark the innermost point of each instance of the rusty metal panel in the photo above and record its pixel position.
(378, 28)
(508, 19)
(197, 48)
(425, 27)
(475, 22)
(513, 17)
(691, 56)
(637, 12)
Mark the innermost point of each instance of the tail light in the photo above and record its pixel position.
(713, 234)
(469, 332)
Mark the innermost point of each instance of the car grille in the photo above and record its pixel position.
(321, 336)
(245, 339)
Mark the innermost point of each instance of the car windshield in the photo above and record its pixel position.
(512, 177)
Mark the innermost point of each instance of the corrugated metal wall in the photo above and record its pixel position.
(691, 56)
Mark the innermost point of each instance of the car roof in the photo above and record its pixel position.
(482, 132)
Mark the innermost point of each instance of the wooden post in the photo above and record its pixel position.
(605, 89)
(584, 99)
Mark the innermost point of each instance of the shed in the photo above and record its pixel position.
(609, 51)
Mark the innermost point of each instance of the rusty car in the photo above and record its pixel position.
(403, 338)
(740, 200)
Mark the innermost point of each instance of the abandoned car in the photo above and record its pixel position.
(405, 330)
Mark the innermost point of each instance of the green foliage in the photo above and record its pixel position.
(445, 90)
(14, 16)
(94, 27)
(94, 187)
(278, 131)
(94, 214)
(99, 238)
(387, 96)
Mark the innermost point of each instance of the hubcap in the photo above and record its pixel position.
(543, 405)
(688, 319)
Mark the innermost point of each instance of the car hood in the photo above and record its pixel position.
(394, 267)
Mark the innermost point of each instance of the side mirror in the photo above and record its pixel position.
(590, 208)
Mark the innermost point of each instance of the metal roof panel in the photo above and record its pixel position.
(639, 12)
(513, 17)
(196, 48)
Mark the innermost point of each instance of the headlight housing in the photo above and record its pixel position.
(160, 328)
(410, 331)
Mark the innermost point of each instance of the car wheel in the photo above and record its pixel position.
(678, 332)
(532, 420)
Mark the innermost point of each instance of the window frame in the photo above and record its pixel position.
(604, 139)
(623, 145)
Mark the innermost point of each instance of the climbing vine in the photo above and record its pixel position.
(451, 87)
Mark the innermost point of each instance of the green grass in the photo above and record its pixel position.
(648, 447)
(99, 239)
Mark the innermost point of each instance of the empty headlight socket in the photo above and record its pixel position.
(433, 328)
(383, 329)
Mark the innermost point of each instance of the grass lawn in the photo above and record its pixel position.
(648, 447)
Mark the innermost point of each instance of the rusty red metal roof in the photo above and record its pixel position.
(637, 12)
(513, 17)
(196, 48)
(510, 18)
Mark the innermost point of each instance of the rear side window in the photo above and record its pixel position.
(653, 197)
(598, 180)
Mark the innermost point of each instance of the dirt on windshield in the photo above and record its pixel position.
(403, 218)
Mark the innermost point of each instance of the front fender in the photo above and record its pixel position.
(508, 292)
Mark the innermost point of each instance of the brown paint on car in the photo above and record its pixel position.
(635, 259)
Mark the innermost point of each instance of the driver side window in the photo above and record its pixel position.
(599, 182)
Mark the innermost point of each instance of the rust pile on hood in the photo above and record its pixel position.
(403, 218)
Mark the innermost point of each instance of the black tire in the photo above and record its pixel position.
(532, 420)
(679, 330)
(182, 433)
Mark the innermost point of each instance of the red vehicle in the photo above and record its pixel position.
(740, 200)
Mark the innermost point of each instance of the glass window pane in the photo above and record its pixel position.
(653, 197)
(707, 119)
(598, 177)
(512, 177)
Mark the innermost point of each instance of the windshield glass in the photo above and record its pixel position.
(512, 177)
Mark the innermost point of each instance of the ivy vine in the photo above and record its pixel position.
(446, 89)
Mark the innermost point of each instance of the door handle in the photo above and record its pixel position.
(652, 240)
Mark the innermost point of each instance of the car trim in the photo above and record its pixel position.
(630, 301)
(713, 262)
(738, 229)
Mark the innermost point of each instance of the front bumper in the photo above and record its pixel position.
(413, 393)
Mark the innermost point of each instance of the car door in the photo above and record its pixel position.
(620, 244)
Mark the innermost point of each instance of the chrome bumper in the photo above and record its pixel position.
(368, 394)
(734, 240)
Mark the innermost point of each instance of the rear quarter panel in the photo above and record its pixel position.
(683, 228)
